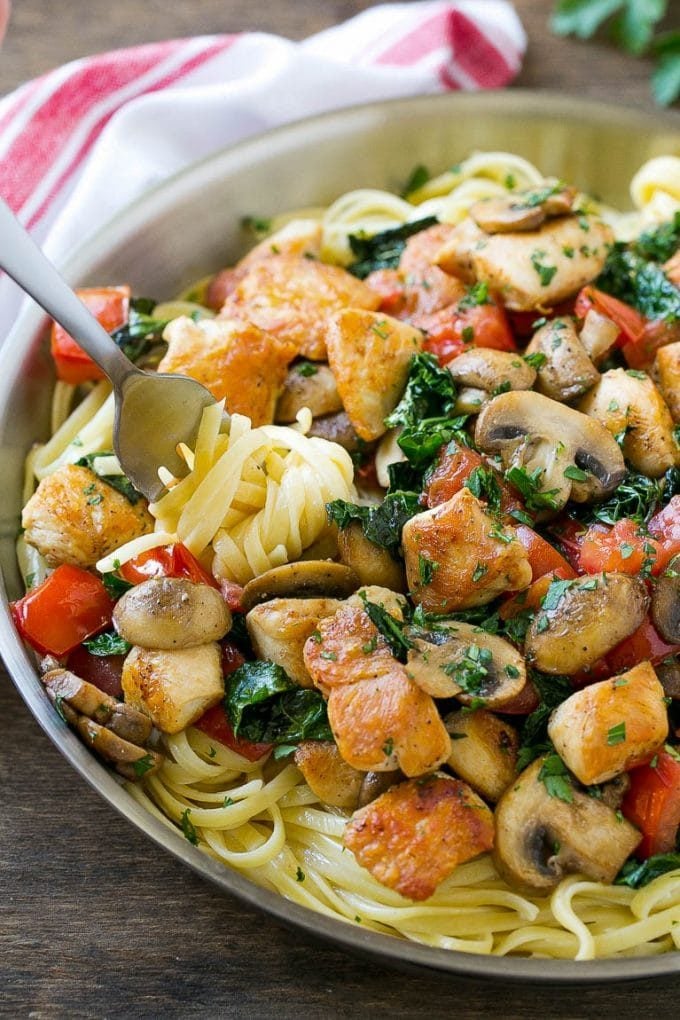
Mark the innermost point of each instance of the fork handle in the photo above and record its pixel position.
(22, 259)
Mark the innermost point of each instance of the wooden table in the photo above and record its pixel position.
(95, 920)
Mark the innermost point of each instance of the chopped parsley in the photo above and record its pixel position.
(188, 827)
(556, 778)
(616, 735)
(528, 485)
(545, 272)
(471, 670)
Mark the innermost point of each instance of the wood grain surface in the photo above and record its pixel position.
(96, 922)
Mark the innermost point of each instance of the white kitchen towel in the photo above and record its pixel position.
(84, 140)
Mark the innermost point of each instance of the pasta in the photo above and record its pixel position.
(255, 499)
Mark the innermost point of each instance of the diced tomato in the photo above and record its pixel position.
(569, 534)
(523, 703)
(454, 466)
(216, 725)
(104, 671)
(623, 548)
(454, 329)
(529, 598)
(652, 803)
(665, 528)
(543, 557)
(68, 607)
(645, 643)
(629, 321)
(388, 283)
(166, 561)
(231, 658)
(232, 594)
(110, 306)
(640, 353)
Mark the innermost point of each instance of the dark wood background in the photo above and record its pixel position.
(95, 920)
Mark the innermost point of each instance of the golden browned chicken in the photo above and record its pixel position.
(416, 833)
(174, 687)
(74, 517)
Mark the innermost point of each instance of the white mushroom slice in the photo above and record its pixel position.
(579, 458)
(388, 452)
(369, 355)
(541, 838)
(470, 400)
(128, 759)
(522, 210)
(174, 688)
(490, 370)
(537, 269)
(611, 726)
(581, 621)
(629, 406)
(460, 660)
(371, 563)
(308, 384)
(567, 371)
(302, 579)
(64, 686)
(483, 751)
(279, 628)
(171, 612)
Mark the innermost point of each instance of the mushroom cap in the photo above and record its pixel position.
(567, 372)
(540, 838)
(514, 419)
(487, 369)
(304, 579)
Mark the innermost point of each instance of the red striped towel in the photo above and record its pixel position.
(81, 142)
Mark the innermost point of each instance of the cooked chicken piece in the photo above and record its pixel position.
(387, 723)
(174, 688)
(370, 355)
(380, 718)
(457, 254)
(279, 628)
(415, 834)
(427, 288)
(294, 297)
(327, 775)
(666, 372)
(231, 358)
(611, 726)
(531, 269)
(74, 517)
(629, 405)
(301, 238)
(483, 751)
(458, 556)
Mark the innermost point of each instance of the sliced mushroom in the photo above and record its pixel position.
(668, 673)
(375, 783)
(304, 579)
(666, 608)
(279, 628)
(171, 612)
(337, 428)
(388, 452)
(371, 563)
(470, 400)
(567, 372)
(483, 751)
(488, 371)
(583, 620)
(534, 432)
(541, 838)
(458, 660)
(128, 759)
(522, 210)
(628, 405)
(63, 686)
(311, 385)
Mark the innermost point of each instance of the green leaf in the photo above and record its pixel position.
(419, 176)
(641, 284)
(637, 497)
(528, 485)
(661, 243)
(390, 628)
(265, 706)
(555, 776)
(381, 524)
(141, 330)
(666, 76)
(430, 393)
(582, 17)
(383, 250)
(115, 585)
(638, 873)
(118, 482)
(109, 643)
(634, 27)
